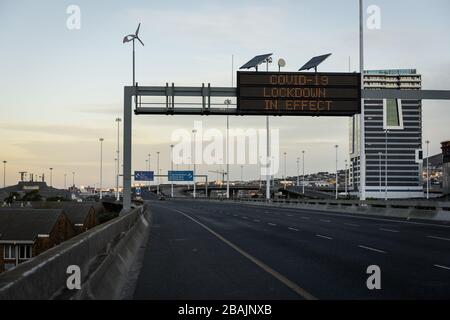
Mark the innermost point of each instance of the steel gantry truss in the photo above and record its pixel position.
(206, 107)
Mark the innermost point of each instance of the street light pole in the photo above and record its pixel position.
(73, 179)
(386, 167)
(4, 173)
(303, 171)
(346, 181)
(242, 174)
(171, 164)
(337, 182)
(227, 103)
(362, 138)
(157, 172)
(101, 167)
(51, 177)
(379, 168)
(298, 172)
(65, 181)
(118, 120)
(428, 170)
(285, 177)
(195, 160)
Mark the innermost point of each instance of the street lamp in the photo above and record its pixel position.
(379, 168)
(157, 172)
(428, 170)
(171, 165)
(386, 166)
(65, 181)
(303, 174)
(284, 178)
(73, 179)
(346, 181)
(195, 160)
(4, 173)
(118, 120)
(298, 172)
(242, 174)
(51, 177)
(337, 182)
(227, 103)
(101, 167)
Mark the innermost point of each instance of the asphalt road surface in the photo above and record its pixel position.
(213, 250)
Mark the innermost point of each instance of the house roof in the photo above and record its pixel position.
(27, 223)
(77, 212)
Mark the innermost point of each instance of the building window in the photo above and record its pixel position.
(9, 251)
(392, 114)
(25, 251)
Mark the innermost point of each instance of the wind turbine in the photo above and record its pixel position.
(129, 38)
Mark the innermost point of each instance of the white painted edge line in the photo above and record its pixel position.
(326, 221)
(293, 229)
(292, 285)
(272, 224)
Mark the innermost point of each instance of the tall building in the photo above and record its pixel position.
(393, 138)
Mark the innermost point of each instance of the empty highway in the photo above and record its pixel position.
(214, 250)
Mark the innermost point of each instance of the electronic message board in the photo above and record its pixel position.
(298, 93)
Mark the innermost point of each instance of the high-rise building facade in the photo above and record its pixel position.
(393, 138)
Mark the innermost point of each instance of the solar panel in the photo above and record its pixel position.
(256, 61)
(314, 62)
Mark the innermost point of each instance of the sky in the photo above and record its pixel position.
(62, 89)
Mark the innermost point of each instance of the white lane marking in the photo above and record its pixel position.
(272, 224)
(292, 285)
(442, 267)
(438, 238)
(235, 215)
(372, 249)
(324, 237)
(244, 217)
(256, 220)
(389, 230)
(289, 215)
(326, 221)
(306, 218)
(352, 224)
(293, 229)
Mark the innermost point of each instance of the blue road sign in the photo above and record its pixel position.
(180, 176)
(138, 191)
(143, 176)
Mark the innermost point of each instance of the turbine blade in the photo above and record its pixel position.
(140, 40)
(137, 30)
